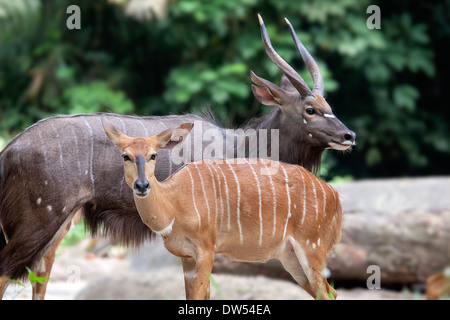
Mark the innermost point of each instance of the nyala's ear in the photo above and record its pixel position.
(266, 92)
(286, 85)
(171, 137)
(113, 133)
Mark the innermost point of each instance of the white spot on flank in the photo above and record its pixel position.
(193, 196)
(314, 245)
(38, 201)
(318, 242)
(45, 182)
(310, 135)
(49, 208)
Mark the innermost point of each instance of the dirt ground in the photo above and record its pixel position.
(78, 274)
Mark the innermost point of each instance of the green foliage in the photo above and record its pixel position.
(75, 235)
(32, 277)
(35, 279)
(96, 97)
(386, 85)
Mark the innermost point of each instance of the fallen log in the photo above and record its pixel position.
(400, 226)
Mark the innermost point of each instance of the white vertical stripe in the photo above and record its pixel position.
(44, 149)
(260, 204)
(145, 128)
(169, 152)
(304, 194)
(193, 197)
(124, 125)
(324, 197)
(76, 145)
(332, 190)
(214, 166)
(289, 199)
(215, 191)
(61, 160)
(227, 194)
(315, 196)
(91, 158)
(204, 191)
(274, 198)
(238, 214)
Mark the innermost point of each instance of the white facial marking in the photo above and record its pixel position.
(304, 121)
(329, 115)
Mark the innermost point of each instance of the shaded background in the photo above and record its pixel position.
(157, 57)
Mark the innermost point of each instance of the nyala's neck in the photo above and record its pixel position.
(155, 211)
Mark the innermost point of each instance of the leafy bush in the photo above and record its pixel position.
(387, 85)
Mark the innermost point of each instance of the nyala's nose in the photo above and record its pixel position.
(141, 186)
(350, 136)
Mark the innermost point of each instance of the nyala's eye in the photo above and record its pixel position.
(126, 158)
(153, 156)
(310, 111)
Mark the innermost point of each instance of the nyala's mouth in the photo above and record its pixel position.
(140, 194)
(341, 145)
